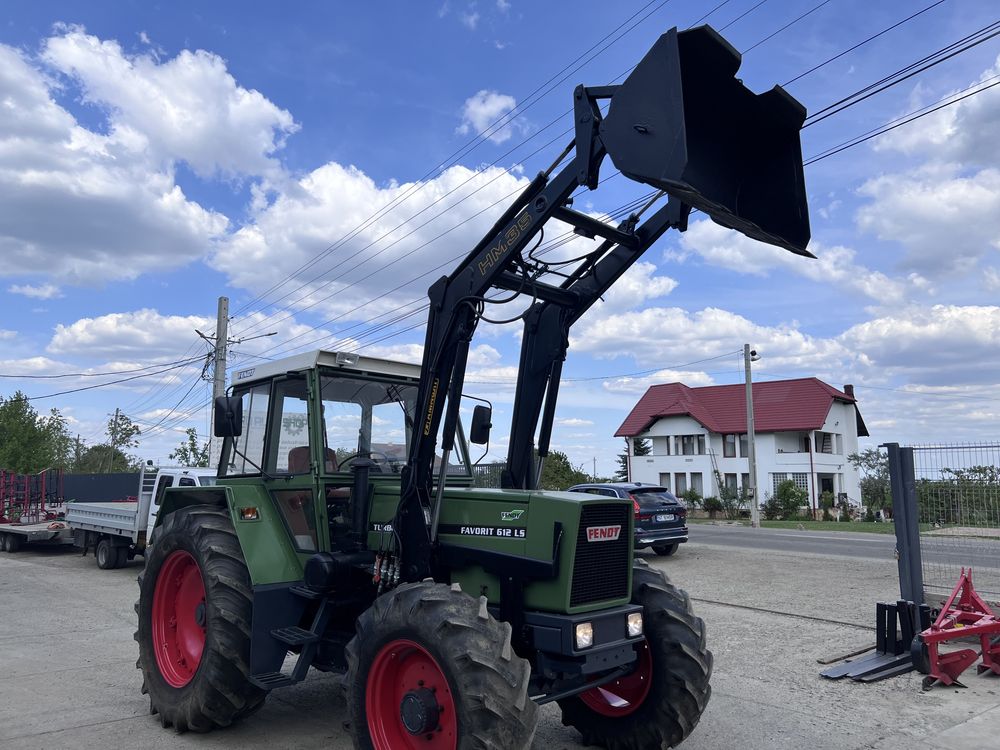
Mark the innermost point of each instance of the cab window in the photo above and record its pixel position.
(288, 451)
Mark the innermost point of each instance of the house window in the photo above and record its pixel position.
(696, 482)
(801, 480)
(665, 479)
(729, 446)
(776, 479)
(661, 446)
(731, 482)
(744, 447)
(690, 445)
(805, 444)
(745, 480)
(680, 483)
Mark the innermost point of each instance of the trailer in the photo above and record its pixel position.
(117, 530)
(31, 510)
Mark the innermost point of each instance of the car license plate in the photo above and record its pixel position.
(664, 517)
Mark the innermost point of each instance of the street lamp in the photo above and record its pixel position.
(750, 355)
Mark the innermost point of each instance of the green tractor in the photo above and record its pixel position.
(347, 530)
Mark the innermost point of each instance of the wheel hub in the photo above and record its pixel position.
(419, 711)
(199, 614)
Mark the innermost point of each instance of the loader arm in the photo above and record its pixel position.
(680, 123)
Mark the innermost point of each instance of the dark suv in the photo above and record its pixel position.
(660, 518)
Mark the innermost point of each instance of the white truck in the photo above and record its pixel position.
(118, 531)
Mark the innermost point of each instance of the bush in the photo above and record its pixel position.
(785, 503)
(826, 500)
(869, 515)
(692, 498)
(827, 515)
(712, 505)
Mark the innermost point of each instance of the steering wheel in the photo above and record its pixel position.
(371, 454)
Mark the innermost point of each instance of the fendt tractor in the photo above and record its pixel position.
(346, 532)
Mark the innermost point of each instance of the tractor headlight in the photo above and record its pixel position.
(634, 621)
(584, 635)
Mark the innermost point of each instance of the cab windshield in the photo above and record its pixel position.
(374, 418)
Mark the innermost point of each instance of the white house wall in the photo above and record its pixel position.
(777, 453)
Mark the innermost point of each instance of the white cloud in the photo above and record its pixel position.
(50, 166)
(408, 246)
(964, 132)
(946, 221)
(639, 385)
(835, 265)
(470, 19)
(42, 291)
(6, 335)
(573, 422)
(188, 108)
(485, 108)
(943, 344)
(503, 5)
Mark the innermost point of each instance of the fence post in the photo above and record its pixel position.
(903, 484)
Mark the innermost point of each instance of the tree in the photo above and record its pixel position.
(111, 456)
(559, 474)
(96, 459)
(873, 466)
(30, 443)
(190, 453)
(640, 447)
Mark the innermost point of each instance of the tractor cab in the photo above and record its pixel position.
(316, 431)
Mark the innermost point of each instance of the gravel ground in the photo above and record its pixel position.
(68, 677)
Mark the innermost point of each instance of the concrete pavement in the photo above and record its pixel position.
(67, 675)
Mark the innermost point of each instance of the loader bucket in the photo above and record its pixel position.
(683, 122)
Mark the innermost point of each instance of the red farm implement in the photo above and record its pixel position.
(30, 498)
(964, 615)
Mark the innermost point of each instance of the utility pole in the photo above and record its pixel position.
(749, 355)
(220, 346)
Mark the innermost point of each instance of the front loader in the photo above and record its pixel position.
(346, 533)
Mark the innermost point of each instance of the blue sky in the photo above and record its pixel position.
(154, 157)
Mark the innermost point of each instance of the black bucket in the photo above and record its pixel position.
(683, 122)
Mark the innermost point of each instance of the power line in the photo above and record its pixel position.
(99, 374)
(862, 43)
(786, 26)
(102, 385)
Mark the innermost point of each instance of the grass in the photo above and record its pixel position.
(856, 526)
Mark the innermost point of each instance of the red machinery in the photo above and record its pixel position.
(30, 497)
(964, 615)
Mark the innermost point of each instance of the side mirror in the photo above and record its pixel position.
(482, 417)
(228, 416)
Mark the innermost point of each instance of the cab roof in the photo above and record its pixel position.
(347, 361)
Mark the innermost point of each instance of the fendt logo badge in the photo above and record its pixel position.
(603, 533)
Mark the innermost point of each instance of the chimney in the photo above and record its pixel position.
(849, 390)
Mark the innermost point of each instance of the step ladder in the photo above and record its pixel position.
(295, 637)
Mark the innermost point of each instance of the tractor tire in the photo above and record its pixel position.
(430, 668)
(106, 555)
(195, 610)
(665, 550)
(669, 689)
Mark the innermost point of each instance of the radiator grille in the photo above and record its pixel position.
(600, 570)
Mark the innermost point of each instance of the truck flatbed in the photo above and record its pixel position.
(107, 518)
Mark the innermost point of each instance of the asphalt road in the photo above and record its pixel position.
(943, 550)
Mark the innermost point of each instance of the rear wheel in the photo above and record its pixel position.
(430, 668)
(121, 559)
(14, 542)
(665, 550)
(195, 611)
(106, 554)
(660, 702)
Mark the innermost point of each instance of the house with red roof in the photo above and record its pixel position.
(804, 430)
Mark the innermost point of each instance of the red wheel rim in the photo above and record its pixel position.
(179, 618)
(401, 670)
(624, 695)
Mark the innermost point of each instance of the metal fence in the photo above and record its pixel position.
(946, 502)
(487, 475)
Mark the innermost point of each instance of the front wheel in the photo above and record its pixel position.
(660, 702)
(195, 610)
(430, 668)
(106, 555)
